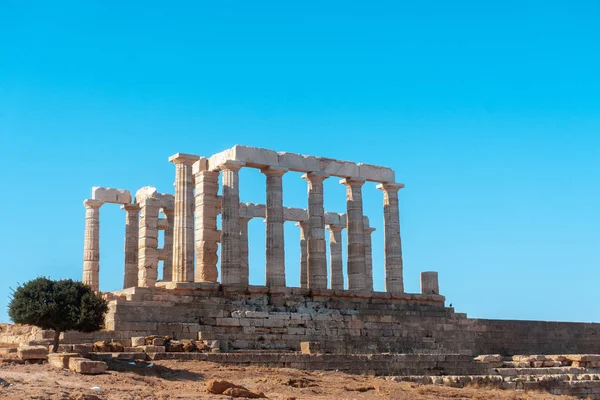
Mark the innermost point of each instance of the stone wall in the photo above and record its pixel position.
(23, 333)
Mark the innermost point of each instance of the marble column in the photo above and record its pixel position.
(148, 242)
(316, 259)
(275, 253)
(336, 265)
(183, 230)
(207, 235)
(369, 258)
(132, 225)
(168, 245)
(393, 245)
(244, 264)
(230, 237)
(303, 253)
(91, 244)
(355, 233)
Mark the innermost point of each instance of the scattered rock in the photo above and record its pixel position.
(300, 383)
(102, 347)
(361, 389)
(188, 345)
(218, 387)
(87, 367)
(243, 392)
(61, 360)
(32, 353)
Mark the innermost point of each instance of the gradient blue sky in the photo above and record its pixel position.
(488, 111)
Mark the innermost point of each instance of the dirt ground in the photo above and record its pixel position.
(187, 380)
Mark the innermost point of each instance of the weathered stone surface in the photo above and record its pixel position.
(137, 341)
(61, 360)
(32, 353)
(110, 195)
(87, 367)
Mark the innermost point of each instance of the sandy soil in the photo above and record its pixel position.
(187, 380)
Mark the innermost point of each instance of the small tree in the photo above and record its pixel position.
(59, 305)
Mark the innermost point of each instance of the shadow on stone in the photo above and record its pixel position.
(145, 368)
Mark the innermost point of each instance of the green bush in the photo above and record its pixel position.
(59, 305)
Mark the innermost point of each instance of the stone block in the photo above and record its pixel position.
(310, 347)
(158, 341)
(61, 360)
(111, 195)
(375, 173)
(87, 367)
(32, 353)
(294, 214)
(138, 341)
(342, 169)
(255, 157)
(300, 163)
(154, 349)
(83, 349)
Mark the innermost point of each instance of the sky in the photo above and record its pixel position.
(489, 112)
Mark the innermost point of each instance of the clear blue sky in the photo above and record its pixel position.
(488, 111)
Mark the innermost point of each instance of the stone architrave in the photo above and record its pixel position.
(393, 244)
(275, 253)
(132, 225)
(91, 245)
(316, 259)
(148, 242)
(355, 233)
(303, 253)
(369, 258)
(244, 263)
(336, 265)
(230, 237)
(207, 235)
(183, 230)
(168, 245)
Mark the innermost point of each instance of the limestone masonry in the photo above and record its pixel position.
(195, 300)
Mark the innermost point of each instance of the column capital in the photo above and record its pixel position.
(131, 207)
(182, 158)
(302, 224)
(335, 228)
(168, 211)
(390, 186)
(231, 165)
(353, 182)
(274, 171)
(369, 230)
(89, 203)
(315, 176)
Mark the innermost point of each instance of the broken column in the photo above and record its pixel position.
(355, 233)
(275, 253)
(207, 235)
(316, 259)
(244, 263)
(148, 237)
(429, 282)
(230, 238)
(369, 258)
(91, 245)
(183, 230)
(393, 245)
(336, 265)
(130, 276)
(303, 253)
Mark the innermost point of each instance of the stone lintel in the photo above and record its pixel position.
(111, 195)
(91, 203)
(183, 158)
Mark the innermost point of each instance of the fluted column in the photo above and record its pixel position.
(168, 245)
(304, 226)
(355, 226)
(316, 259)
(275, 253)
(393, 244)
(230, 237)
(148, 242)
(183, 230)
(91, 244)
(132, 226)
(369, 258)
(207, 235)
(244, 264)
(336, 265)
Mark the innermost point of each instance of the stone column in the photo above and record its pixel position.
(132, 225)
(168, 245)
(369, 259)
(148, 242)
(303, 253)
(429, 283)
(336, 265)
(244, 264)
(183, 230)
(91, 244)
(275, 253)
(356, 228)
(316, 259)
(393, 245)
(207, 235)
(230, 237)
